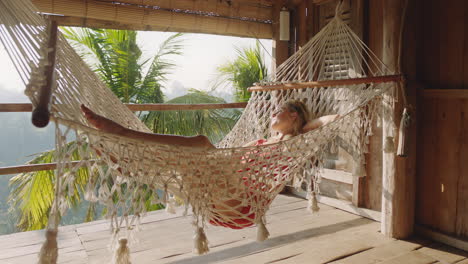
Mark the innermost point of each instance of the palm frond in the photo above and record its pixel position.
(246, 69)
(214, 123)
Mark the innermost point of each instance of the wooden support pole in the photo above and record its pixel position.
(398, 182)
(41, 114)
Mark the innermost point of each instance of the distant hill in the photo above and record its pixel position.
(19, 141)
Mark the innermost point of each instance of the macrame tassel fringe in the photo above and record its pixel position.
(313, 204)
(170, 205)
(200, 242)
(49, 250)
(262, 231)
(389, 146)
(122, 253)
(403, 138)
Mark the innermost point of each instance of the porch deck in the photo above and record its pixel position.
(331, 236)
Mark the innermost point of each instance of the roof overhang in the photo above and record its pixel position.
(243, 18)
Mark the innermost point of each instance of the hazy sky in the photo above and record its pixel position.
(196, 68)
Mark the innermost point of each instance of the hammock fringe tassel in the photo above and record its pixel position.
(200, 242)
(313, 203)
(262, 231)
(403, 131)
(170, 205)
(389, 146)
(122, 253)
(49, 250)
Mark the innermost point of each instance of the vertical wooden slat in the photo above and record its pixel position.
(447, 167)
(461, 225)
(280, 48)
(302, 27)
(431, 44)
(312, 21)
(360, 184)
(374, 158)
(465, 51)
(451, 22)
(426, 155)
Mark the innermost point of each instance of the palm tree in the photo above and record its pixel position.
(115, 56)
(214, 123)
(246, 69)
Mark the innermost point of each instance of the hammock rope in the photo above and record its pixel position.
(231, 186)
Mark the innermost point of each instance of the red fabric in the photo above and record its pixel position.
(240, 223)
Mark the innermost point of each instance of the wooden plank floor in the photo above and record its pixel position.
(331, 236)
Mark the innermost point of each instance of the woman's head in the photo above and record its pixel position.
(290, 117)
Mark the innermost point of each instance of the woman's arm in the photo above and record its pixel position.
(318, 122)
(112, 127)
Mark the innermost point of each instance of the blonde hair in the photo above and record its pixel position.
(303, 114)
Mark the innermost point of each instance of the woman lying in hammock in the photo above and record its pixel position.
(289, 120)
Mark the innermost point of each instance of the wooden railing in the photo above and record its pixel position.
(138, 107)
(133, 107)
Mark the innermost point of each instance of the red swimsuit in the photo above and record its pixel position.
(239, 222)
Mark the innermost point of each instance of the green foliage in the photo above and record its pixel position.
(115, 56)
(32, 193)
(246, 69)
(214, 123)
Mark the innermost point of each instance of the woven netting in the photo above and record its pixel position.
(229, 186)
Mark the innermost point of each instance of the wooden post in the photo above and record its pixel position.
(41, 114)
(302, 25)
(280, 48)
(398, 181)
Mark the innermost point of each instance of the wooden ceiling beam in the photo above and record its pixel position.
(238, 8)
(104, 14)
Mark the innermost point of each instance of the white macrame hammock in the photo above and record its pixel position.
(125, 171)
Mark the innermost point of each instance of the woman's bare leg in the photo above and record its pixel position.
(110, 126)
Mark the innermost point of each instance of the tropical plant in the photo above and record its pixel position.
(215, 123)
(247, 68)
(32, 193)
(115, 56)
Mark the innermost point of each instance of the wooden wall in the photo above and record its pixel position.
(442, 157)
(444, 58)
(442, 194)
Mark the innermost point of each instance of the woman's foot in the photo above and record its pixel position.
(100, 122)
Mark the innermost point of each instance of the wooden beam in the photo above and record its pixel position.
(443, 238)
(30, 168)
(138, 107)
(168, 107)
(398, 187)
(16, 107)
(340, 204)
(445, 93)
(338, 176)
(213, 17)
(321, 2)
(328, 83)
